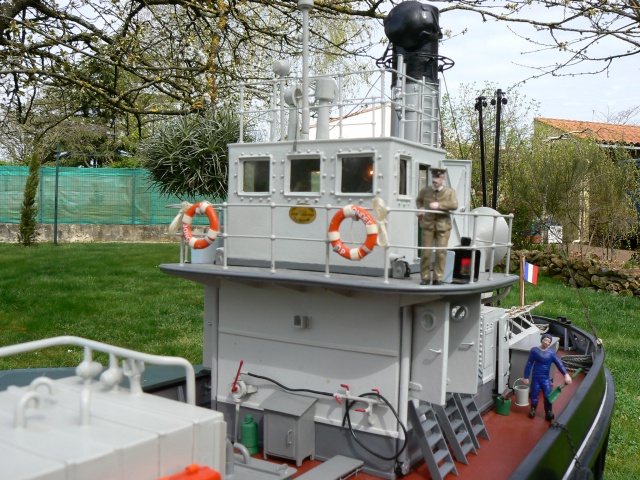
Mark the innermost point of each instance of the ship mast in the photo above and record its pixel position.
(305, 7)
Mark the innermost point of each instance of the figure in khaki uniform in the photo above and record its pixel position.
(436, 227)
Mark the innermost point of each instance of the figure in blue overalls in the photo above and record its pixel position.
(540, 359)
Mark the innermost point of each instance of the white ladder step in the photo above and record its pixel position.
(471, 416)
(431, 440)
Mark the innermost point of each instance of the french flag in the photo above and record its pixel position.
(530, 273)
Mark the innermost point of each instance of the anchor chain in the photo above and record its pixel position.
(581, 473)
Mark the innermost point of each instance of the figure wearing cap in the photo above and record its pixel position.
(436, 227)
(539, 366)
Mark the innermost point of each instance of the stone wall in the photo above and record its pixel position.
(70, 233)
(587, 272)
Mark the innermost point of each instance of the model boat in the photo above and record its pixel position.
(317, 330)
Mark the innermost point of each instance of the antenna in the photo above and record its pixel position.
(305, 7)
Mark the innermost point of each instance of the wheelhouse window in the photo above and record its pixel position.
(423, 179)
(357, 174)
(403, 176)
(255, 175)
(304, 175)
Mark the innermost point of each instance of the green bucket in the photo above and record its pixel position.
(503, 406)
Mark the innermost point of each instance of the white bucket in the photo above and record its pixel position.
(522, 393)
(208, 254)
(203, 255)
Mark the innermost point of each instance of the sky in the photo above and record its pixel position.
(490, 52)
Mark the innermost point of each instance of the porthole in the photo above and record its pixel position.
(428, 321)
(459, 312)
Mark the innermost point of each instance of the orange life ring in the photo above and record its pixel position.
(357, 213)
(201, 207)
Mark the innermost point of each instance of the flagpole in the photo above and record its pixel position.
(522, 280)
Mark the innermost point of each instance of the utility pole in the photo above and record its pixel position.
(480, 103)
(498, 100)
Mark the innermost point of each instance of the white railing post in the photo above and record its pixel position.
(340, 106)
(273, 112)
(327, 243)
(225, 236)
(241, 114)
(403, 104)
(474, 247)
(273, 237)
(283, 110)
(509, 244)
(493, 245)
(383, 104)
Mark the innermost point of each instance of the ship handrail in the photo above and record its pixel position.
(114, 352)
(492, 245)
(272, 109)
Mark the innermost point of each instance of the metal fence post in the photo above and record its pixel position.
(133, 197)
(55, 209)
(41, 189)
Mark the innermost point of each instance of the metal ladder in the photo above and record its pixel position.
(429, 109)
(454, 428)
(471, 416)
(434, 448)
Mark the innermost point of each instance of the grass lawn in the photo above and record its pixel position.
(114, 293)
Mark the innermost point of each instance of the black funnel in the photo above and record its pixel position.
(414, 31)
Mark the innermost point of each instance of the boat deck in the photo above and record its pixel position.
(207, 273)
(511, 438)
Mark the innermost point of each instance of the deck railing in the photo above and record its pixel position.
(493, 246)
(133, 366)
(266, 111)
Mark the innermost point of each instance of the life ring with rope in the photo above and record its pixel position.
(202, 208)
(356, 213)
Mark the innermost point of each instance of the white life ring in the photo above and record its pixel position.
(201, 207)
(357, 213)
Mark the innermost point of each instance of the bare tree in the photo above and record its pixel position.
(576, 28)
(622, 117)
(141, 59)
(121, 64)
(165, 56)
(161, 56)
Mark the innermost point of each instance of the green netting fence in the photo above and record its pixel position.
(109, 196)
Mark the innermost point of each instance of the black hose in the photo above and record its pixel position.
(326, 394)
(347, 416)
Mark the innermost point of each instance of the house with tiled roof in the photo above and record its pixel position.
(607, 134)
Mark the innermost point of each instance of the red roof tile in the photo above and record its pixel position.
(605, 132)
